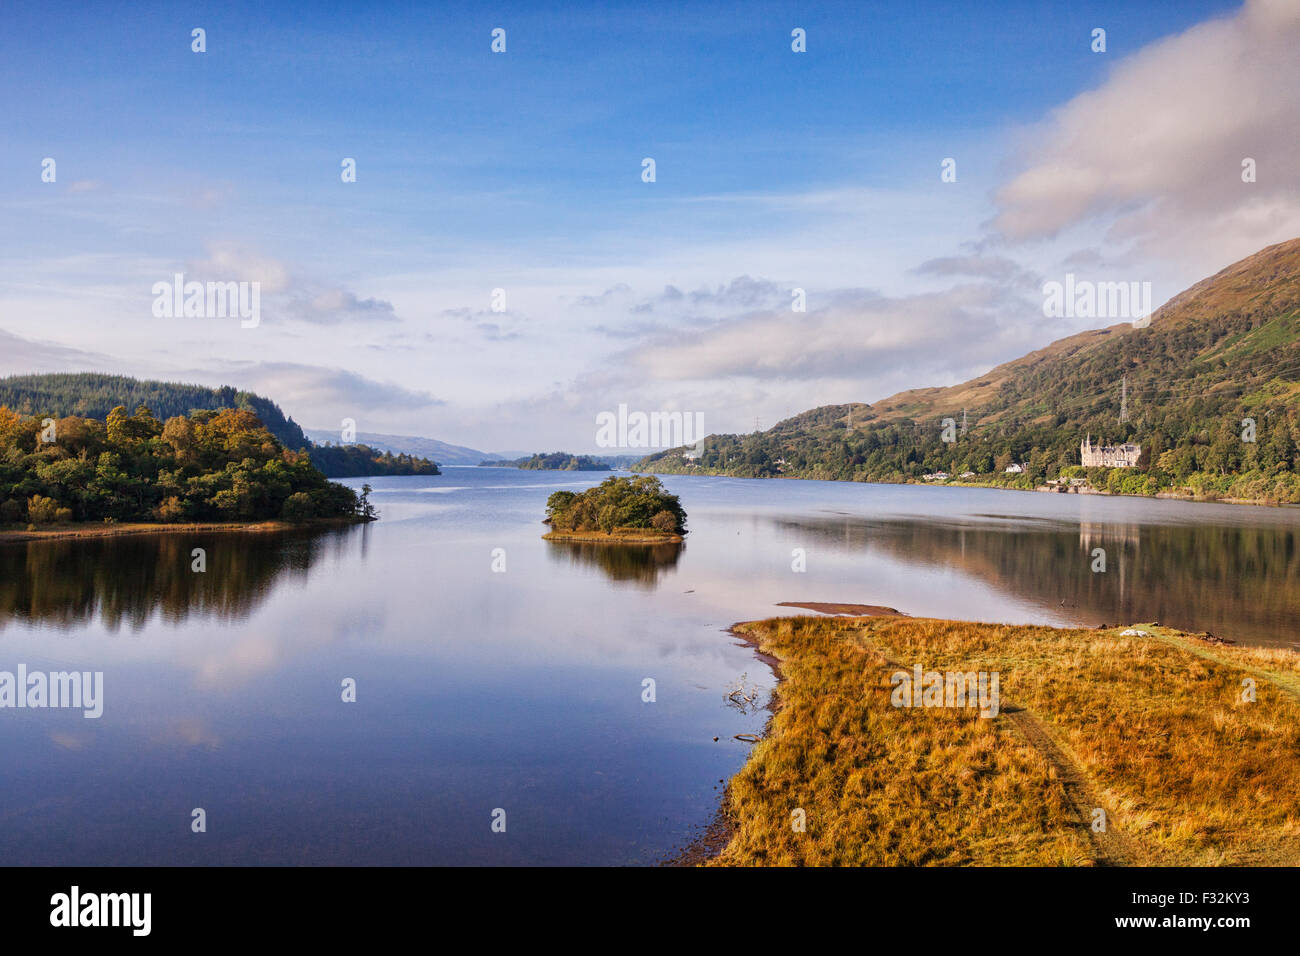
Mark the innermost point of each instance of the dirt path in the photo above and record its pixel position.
(1284, 681)
(1113, 847)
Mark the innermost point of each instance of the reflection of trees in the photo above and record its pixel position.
(129, 578)
(639, 563)
(1238, 582)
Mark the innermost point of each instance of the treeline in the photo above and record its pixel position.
(617, 503)
(554, 461)
(92, 395)
(359, 461)
(210, 465)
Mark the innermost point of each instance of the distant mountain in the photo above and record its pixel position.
(92, 395)
(509, 454)
(439, 451)
(1225, 351)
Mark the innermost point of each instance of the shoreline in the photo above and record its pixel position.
(707, 845)
(602, 537)
(1083, 769)
(1161, 495)
(67, 532)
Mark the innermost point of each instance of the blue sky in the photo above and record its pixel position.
(521, 171)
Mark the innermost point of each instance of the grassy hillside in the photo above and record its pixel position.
(1224, 350)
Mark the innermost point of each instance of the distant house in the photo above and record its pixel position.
(1108, 456)
(936, 476)
(967, 474)
(1014, 469)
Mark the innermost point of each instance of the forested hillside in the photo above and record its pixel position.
(1217, 366)
(91, 395)
(211, 465)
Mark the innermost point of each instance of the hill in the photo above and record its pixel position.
(209, 465)
(1223, 351)
(440, 451)
(92, 395)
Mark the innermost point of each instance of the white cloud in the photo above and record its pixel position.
(861, 334)
(234, 262)
(338, 305)
(1156, 151)
(20, 356)
(316, 394)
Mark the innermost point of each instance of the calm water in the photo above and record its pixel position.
(522, 690)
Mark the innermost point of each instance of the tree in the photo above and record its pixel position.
(365, 508)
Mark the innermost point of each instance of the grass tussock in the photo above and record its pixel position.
(1153, 730)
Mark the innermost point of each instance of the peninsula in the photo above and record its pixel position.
(73, 475)
(899, 741)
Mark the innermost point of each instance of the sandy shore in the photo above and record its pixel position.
(851, 610)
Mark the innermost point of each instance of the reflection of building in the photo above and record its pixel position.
(1108, 456)
(1092, 534)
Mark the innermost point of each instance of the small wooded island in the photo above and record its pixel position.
(209, 466)
(618, 511)
(554, 461)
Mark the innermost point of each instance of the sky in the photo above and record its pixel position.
(522, 171)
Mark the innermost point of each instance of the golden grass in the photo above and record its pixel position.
(1151, 729)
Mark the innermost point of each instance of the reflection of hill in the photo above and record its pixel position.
(1241, 583)
(639, 563)
(125, 580)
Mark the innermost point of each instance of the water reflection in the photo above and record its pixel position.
(126, 580)
(640, 564)
(1239, 581)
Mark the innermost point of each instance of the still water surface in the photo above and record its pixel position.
(522, 690)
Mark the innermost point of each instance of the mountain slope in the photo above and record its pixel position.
(1224, 350)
